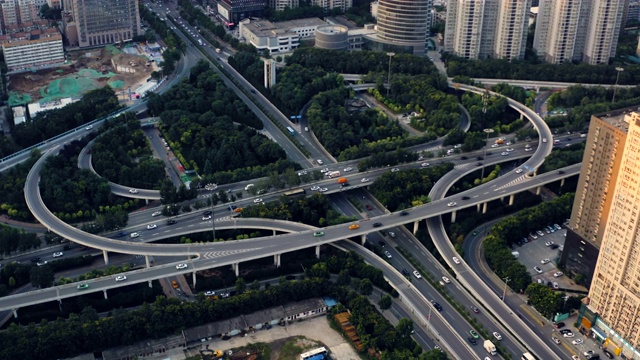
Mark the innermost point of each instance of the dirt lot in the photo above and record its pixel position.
(87, 70)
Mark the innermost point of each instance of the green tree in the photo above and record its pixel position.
(241, 285)
(255, 285)
(42, 276)
(405, 327)
(385, 302)
(343, 278)
(366, 287)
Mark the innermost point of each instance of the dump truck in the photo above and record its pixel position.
(488, 345)
(343, 180)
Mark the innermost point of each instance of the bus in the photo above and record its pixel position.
(528, 356)
(290, 130)
(294, 192)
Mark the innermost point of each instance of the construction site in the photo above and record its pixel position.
(124, 71)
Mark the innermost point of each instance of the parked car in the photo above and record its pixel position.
(537, 269)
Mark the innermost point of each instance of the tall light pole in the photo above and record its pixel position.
(487, 131)
(504, 293)
(213, 221)
(615, 88)
(390, 54)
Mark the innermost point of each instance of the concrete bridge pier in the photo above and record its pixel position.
(274, 233)
(562, 182)
(363, 239)
(146, 201)
(60, 304)
(236, 268)
(151, 283)
(521, 116)
(15, 313)
(538, 190)
(484, 208)
(193, 277)
(317, 251)
(147, 261)
(453, 216)
(416, 225)
(511, 198)
(478, 207)
(105, 294)
(105, 255)
(276, 260)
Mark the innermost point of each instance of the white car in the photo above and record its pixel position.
(568, 335)
(528, 149)
(395, 170)
(424, 164)
(157, 213)
(548, 243)
(303, 172)
(57, 254)
(347, 169)
(533, 236)
(258, 200)
(545, 261)
(417, 274)
(446, 280)
(558, 274)
(504, 153)
(181, 266)
(451, 204)
(509, 149)
(364, 180)
(209, 293)
(133, 191)
(323, 189)
(537, 269)
(315, 188)
(544, 140)
(518, 171)
(456, 260)
(325, 170)
(495, 145)
(134, 235)
(207, 217)
(387, 254)
(497, 335)
(121, 278)
(508, 143)
(41, 263)
(151, 226)
(89, 127)
(577, 341)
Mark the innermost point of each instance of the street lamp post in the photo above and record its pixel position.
(615, 88)
(390, 54)
(487, 131)
(504, 293)
(213, 221)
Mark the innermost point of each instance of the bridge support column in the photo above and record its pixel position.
(236, 268)
(105, 255)
(562, 182)
(502, 199)
(535, 172)
(60, 304)
(453, 217)
(363, 239)
(274, 233)
(511, 198)
(146, 201)
(317, 251)
(416, 225)
(193, 277)
(150, 283)
(484, 208)
(521, 116)
(276, 260)
(478, 207)
(105, 294)
(15, 313)
(538, 190)
(147, 261)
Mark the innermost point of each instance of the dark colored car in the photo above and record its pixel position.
(208, 212)
(368, 207)
(480, 158)
(381, 243)
(35, 259)
(404, 213)
(474, 309)
(436, 305)
(463, 158)
(465, 198)
(478, 164)
(377, 224)
(171, 222)
(405, 272)
(554, 246)
(560, 172)
(121, 234)
(608, 354)
(472, 341)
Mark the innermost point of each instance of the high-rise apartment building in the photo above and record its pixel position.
(480, 29)
(614, 295)
(102, 22)
(582, 30)
(343, 5)
(402, 26)
(280, 5)
(601, 159)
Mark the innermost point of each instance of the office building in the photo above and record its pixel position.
(480, 29)
(602, 157)
(614, 295)
(578, 30)
(280, 37)
(280, 5)
(402, 26)
(232, 11)
(101, 22)
(343, 5)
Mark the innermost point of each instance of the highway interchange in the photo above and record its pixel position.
(204, 256)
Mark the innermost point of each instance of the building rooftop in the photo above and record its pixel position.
(341, 20)
(266, 28)
(303, 306)
(619, 118)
